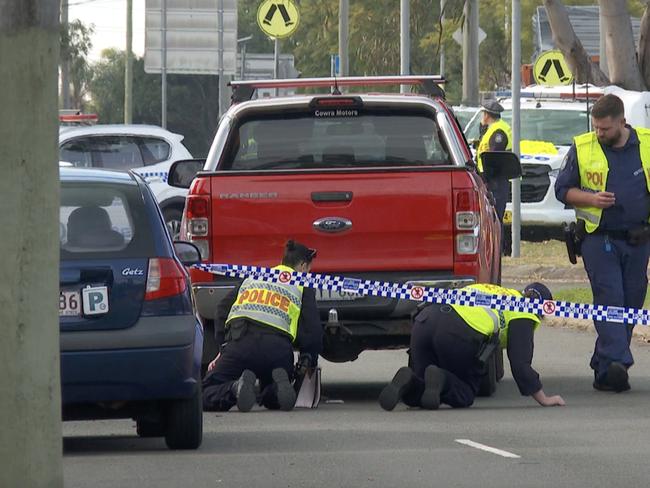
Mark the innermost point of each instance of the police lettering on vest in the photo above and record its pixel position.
(594, 167)
(484, 145)
(272, 304)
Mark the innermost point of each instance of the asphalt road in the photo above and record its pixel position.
(597, 440)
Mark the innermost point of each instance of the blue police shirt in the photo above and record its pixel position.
(625, 179)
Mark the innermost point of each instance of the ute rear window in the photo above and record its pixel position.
(324, 139)
(103, 220)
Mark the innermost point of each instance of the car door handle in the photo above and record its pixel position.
(331, 196)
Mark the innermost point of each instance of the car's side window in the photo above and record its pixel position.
(115, 152)
(76, 152)
(154, 150)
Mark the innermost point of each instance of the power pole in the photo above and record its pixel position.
(405, 42)
(442, 45)
(128, 65)
(470, 53)
(163, 70)
(344, 12)
(65, 62)
(516, 92)
(30, 398)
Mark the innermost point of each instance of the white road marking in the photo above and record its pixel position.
(483, 447)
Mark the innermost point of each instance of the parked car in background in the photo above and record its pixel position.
(464, 114)
(550, 118)
(131, 345)
(147, 149)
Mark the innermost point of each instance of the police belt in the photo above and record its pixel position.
(621, 235)
(241, 327)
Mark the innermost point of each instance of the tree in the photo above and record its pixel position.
(76, 43)
(193, 102)
(624, 68)
(30, 401)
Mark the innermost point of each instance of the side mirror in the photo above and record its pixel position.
(187, 252)
(183, 172)
(501, 165)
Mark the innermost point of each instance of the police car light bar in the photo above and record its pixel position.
(243, 90)
(78, 118)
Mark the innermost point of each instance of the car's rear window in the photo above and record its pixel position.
(331, 138)
(103, 220)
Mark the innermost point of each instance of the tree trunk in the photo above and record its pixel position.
(584, 70)
(619, 41)
(30, 402)
(644, 46)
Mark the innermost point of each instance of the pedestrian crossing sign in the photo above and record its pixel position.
(551, 69)
(278, 18)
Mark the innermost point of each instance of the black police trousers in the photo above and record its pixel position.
(260, 352)
(441, 337)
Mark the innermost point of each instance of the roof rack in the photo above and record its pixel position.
(243, 90)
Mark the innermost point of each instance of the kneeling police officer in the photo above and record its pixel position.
(448, 345)
(263, 321)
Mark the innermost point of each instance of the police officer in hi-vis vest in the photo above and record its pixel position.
(497, 137)
(263, 320)
(451, 343)
(606, 178)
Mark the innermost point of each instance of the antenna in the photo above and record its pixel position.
(336, 90)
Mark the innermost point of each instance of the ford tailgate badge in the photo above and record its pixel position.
(332, 224)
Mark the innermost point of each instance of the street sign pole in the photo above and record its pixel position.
(405, 42)
(343, 37)
(516, 89)
(276, 62)
(163, 70)
(442, 46)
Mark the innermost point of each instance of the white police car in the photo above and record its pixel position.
(550, 118)
(147, 149)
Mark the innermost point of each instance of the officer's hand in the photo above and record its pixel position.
(603, 199)
(548, 401)
(213, 363)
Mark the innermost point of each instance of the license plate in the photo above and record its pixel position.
(507, 217)
(69, 303)
(335, 296)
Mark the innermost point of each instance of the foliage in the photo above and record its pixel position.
(75, 45)
(192, 100)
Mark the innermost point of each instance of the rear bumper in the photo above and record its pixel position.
(154, 372)
(208, 295)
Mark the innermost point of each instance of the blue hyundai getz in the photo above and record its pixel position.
(131, 345)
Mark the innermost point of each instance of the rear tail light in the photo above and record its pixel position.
(165, 278)
(468, 224)
(196, 223)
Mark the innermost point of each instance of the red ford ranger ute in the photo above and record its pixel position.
(382, 184)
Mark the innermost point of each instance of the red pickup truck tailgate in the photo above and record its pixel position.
(400, 219)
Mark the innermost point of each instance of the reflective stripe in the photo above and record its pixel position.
(584, 215)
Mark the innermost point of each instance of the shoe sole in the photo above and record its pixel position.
(286, 393)
(433, 381)
(617, 377)
(392, 392)
(246, 398)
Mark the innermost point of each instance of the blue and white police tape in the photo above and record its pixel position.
(434, 295)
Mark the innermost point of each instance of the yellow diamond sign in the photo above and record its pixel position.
(278, 18)
(551, 69)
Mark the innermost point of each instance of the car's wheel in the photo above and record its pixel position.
(489, 380)
(173, 216)
(184, 422)
(148, 428)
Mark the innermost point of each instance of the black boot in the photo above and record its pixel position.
(244, 390)
(286, 393)
(434, 382)
(394, 391)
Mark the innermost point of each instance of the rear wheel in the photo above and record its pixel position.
(184, 422)
(173, 216)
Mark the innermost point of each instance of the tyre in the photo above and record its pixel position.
(184, 422)
(173, 216)
(148, 428)
(489, 380)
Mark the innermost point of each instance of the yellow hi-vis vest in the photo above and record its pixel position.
(269, 303)
(484, 144)
(489, 321)
(593, 167)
